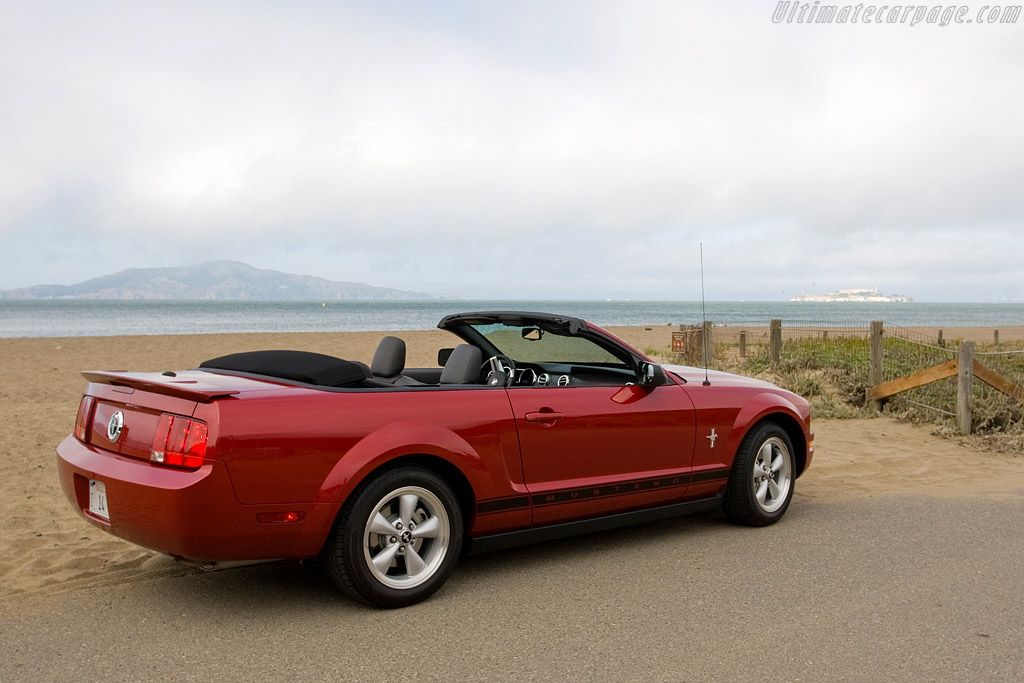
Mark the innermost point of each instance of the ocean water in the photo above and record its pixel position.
(87, 318)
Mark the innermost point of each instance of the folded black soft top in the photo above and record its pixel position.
(300, 366)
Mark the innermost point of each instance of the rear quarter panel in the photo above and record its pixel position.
(302, 445)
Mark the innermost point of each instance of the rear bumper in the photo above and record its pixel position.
(190, 514)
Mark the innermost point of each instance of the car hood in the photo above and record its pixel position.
(696, 375)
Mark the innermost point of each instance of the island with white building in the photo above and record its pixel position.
(855, 295)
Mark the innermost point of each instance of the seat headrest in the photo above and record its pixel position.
(389, 359)
(463, 366)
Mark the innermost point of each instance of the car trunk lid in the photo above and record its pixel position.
(194, 385)
(128, 405)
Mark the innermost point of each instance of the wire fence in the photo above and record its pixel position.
(823, 361)
(993, 410)
(907, 351)
(841, 353)
(827, 345)
(808, 345)
(1009, 363)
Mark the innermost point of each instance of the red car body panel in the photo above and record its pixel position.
(520, 456)
(608, 435)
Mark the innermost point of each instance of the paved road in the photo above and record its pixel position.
(887, 588)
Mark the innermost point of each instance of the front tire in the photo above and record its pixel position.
(761, 482)
(397, 539)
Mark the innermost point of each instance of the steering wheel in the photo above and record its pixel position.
(502, 370)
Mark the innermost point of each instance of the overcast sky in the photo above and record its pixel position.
(552, 150)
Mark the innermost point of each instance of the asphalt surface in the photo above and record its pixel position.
(888, 588)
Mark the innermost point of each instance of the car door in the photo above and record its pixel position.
(590, 450)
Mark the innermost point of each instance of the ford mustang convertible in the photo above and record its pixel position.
(532, 427)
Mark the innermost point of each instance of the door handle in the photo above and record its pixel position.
(544, 416)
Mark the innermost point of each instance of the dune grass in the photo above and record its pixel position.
(833, 375)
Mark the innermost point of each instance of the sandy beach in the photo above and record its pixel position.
(48, 553)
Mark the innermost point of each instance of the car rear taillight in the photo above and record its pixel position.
(84, 418)
(179, 441)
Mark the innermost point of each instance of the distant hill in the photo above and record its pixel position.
(213, 280)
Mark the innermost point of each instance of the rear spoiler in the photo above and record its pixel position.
(201, 387)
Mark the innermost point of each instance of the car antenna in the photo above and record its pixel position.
(704, 319)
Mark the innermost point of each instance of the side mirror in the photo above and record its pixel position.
(532, 333)
(443, 355)
(650, 375)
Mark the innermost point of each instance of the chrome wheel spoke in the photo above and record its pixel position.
(414, 564)
(761, 492)
(407, 506)
(382, 560)
(412, 523)
(428, 529)
(380, 525)
(772, 475)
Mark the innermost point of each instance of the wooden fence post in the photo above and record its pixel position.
(995, 334)
(964, 384)
(743, 344)
(942, 342)
(875, 374)
(775, 341)
(709, 349)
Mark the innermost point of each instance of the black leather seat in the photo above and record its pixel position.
(463, 366)
(389, 361)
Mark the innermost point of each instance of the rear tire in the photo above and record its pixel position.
(397, 539)
(761, 482)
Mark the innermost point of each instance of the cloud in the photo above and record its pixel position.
(596, 142)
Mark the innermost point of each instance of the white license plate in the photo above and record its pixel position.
(98, 499)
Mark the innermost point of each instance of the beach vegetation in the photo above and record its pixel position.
(832, 372)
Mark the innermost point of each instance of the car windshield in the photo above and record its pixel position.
(532, 344)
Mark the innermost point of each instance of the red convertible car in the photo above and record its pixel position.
(534, 427)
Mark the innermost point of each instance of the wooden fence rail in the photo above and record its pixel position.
(693, 345)
(964, 367)
(997, 381)
(912, 381)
